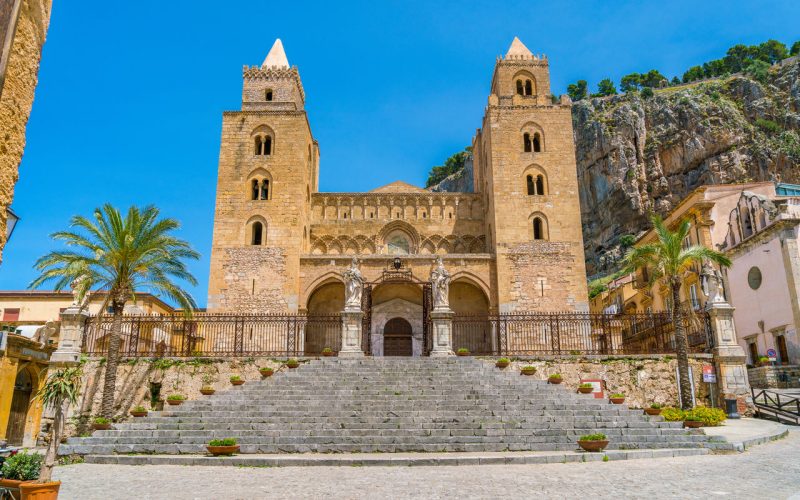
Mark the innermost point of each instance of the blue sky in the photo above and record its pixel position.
(128, 107)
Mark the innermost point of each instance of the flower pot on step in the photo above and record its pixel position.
(139, 413)
(585, 390)
(223, 450)
(692, 424)
(175, 402)
(101, 427)
(266, 373)
(653, 411)
(593, 445)
(237, 382)
(12, 485)
(34, 490)
(617, 401)
(502, 364)
(207, 392)
(554, 380)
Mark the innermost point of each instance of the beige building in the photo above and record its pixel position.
(512, 245)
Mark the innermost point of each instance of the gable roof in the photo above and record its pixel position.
(399, 187)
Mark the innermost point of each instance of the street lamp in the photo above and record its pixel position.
(397, 263)
(11, 223)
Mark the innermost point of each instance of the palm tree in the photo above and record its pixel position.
(119, 256)
(59, 392)
(667, 260)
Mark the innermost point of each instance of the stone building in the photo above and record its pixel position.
(514, 244)
(23, 27)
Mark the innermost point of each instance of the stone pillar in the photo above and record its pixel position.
(442, 331)
(351, 333)
(729, 357)
(73, 323)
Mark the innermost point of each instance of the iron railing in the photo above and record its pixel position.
(204, 335)
(776, 405)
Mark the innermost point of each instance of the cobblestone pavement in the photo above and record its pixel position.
(767, 471)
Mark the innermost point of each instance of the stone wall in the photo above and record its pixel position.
(771, 377)
(17, 97)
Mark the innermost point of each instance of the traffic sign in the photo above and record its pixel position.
(772, 355)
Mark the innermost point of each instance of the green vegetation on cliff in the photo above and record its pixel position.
(452, 165)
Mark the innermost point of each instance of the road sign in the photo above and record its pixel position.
(709, 374)
(772, 355)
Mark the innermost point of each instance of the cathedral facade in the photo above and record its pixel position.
(514, 244)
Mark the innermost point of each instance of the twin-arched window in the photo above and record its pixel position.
(259, 189)
(263, 145)
(531, 144)
(524, 87)
(536, 185)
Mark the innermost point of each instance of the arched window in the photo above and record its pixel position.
(267, 145)
(268, 94)
(259, 145)
(540, 184)
(526, 142)
(254, 190)
(519, 87)
(537, 143)
(538, 229)
(257, 237)
(528, 87)
(531, 186)
(265, 189)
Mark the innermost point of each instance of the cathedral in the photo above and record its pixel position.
(511, 245)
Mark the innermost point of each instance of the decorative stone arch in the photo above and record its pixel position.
(397, 228)
(320, 281)
(318, 247)
(255, 185)
(472, 279)
(532, 138)
(251, 231)
(427, 247)
(263, 138)
(535, 181)
(539, 227)
(524, 83)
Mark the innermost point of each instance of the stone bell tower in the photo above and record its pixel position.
(268, 168)
(525, 164)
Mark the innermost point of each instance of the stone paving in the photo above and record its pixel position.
(767, 471)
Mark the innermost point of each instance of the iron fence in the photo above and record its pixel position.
(576, 333)
(204, 335)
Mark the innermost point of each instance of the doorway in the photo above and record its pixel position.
(397, 338)
(783, 352)
(20, 402)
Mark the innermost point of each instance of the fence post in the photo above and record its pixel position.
(73, 328)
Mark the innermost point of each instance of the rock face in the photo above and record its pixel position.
(459, 182)
(636, 156)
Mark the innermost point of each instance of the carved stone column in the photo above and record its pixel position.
(442, 331)
(351, 333)
(729, 357)
(73, 323)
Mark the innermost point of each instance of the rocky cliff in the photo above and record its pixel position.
(640, 155)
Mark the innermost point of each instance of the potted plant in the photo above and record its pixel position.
(462, 351)
(266, 371)
(503, 362)
(207, 390)
(763, 361)
(292, 363)
(327, 352)
(691, 422)
(139, 411)
(19, 468)
(585, 388)
(655, 409)
(593, 442)
(101, 424)
(236, 380)
(176, 399)
(225, 446)
(528, 370)
(555, 378)
(617, 398)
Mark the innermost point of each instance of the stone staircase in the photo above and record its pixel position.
(389, 405)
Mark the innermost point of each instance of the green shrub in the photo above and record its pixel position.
(627, 240)
(763, 359)
(101, 420)
(768, 126)
(529, 368)
(711, 417)
(23, 466)
(292, 362)
(176, 397)
(586, 385)
(672, 414)
(618, 395)
(555, 375)
(593, 437)
(504, 360)
(235, 378)
(222, 442)
(266, 369)
(656, 406)
(327, 350)
(463, 350)
(647, 93)
(139, 409)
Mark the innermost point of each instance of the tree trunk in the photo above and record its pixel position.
(112, 361)
(681, 348)
(46, 472)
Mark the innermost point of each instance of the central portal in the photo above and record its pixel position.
(397, 338)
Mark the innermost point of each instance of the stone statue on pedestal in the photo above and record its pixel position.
(713, 287)
(440, 285)
(353, 286)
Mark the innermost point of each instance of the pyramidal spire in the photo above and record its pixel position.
(276, 57)
(518, 50)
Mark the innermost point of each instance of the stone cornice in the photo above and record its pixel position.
(390, 257)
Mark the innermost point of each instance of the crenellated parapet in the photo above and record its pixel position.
(419, 207)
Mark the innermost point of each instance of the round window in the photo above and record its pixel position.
(754, 278)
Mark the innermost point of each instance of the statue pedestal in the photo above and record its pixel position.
(729, 357)
(351, 333)
(73, 323)
(442, 331)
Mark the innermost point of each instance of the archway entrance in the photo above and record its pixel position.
(397, 338)
(20, 402)
(325, 303)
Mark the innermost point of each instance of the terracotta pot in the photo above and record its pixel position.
(528, 372)
(266, 373)
(327, 353)
(207, 392)
(13, 486)
(556, 380)
(502, 364)
(222, 450)
(653, 411)
(32, 490)
(175, 402)
(237, 382)
(461, 353)
(617, 401)
(593, 445)
(292, 365)
(585, 390)
(692, 424)
(139, 413)
(101, 427)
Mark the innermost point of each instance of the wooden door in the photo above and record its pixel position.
(16, 420)
(397, 338)
(783, 352)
